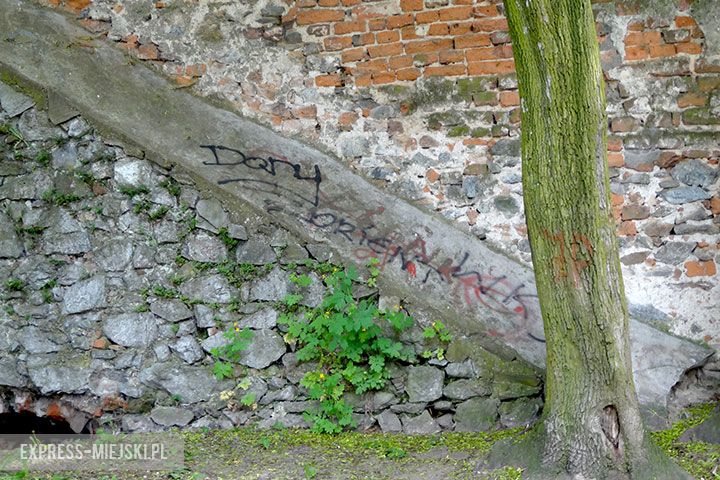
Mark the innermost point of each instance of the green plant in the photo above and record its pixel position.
(345, 337)
(59, 199)
(310, 471)
(15, 285)
(158, 213)
(239, 340)
(226, 238)
(141, 206)
(163, 292)
(134, 191)
(43, 157)
(171, 186)
(437, 330)
(16, 135)
(46, 290)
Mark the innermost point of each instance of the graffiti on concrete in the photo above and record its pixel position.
(494, 292)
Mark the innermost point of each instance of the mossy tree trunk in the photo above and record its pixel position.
(591, 425)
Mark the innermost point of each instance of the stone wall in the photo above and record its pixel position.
(118, 277)
(420, 96)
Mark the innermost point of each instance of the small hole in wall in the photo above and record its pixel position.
(27, 422)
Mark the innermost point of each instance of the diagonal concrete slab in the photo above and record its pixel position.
(424, 258)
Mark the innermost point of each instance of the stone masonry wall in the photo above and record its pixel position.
(118, 277)
(420, 96)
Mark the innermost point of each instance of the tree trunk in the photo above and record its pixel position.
(591, 426)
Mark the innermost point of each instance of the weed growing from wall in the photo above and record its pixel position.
(347, 339)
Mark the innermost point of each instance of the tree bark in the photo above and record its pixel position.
(591, 424)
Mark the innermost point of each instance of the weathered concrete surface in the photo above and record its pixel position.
(423, 257)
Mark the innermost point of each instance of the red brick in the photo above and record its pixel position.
(432, 175)
(309, 111)
(439, 29)
(385, 50)
(337, 43)
(306, 3)
(397, 21)
(422, 59)
(375, 65)
(408, 74)
(715, 205)
(196, 70)
(348, 27)
(658, 51)
(364, 39)
(387, 36)
(642, 38)
(445, 71)
(309, 17)
(77, 5)
(402, 61)
(615, 159)
(685, 22)
(636, 53)
(379, 78)
(411, 5)
(615, 144)
(489, 25)
(692, 100)
(427, 17)
(354, 55)
(623, 124)
(689, 48)
(347, 119)
(428, 45)
(376, 24)
(461, 28)
(486, 11)
(328, 3)
(510, 98)
(409, 33)
(101, 343)
(148, 52)
(491, 67)
(351, 3)
(488, 53)
(473, 40)
(451, 56)
(627, 229)
(455, 13)
(700, 269)
(332, 80)
(363, 80)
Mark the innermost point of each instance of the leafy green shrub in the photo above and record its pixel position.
(346, 338)
(230, 353)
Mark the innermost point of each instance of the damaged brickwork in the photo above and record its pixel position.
(420, 96)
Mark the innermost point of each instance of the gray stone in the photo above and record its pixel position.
(212, 212)
(9, 376)
(690, 228)
(85, 295)
(202, 247)
(642, 160)
(510, 388)
(209, 288)
(217, 340)
(138, 424)
(506, 204)
(204, 316)
(10, 244)
(188, 349)
(191, 384)
(256, 251)
(172, 309)
(271, 288)
(166, 232)
(476, 415)
(465, 369)
(61, 373)
(131, 329)
(464, 389)
(635, 258)
(680, 195)
(353, 145)
(383, 112)
(66, 157)
(471, 186)
(26, 187)
(266, 347)
(59, 109)
(171, 416)
(13, 102)
(77, 127)
(424, 383)
(673, 253)
(521, 412)
(265, 318)
(133, 173)
(389, 422)
(656, 228)
(694, 212)
(423, 424)
(708, 431)
(114, 255)
(237, 232)
(506, 148)
(35, 340)
(64, 235)
(695, 173)
(285, 394)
